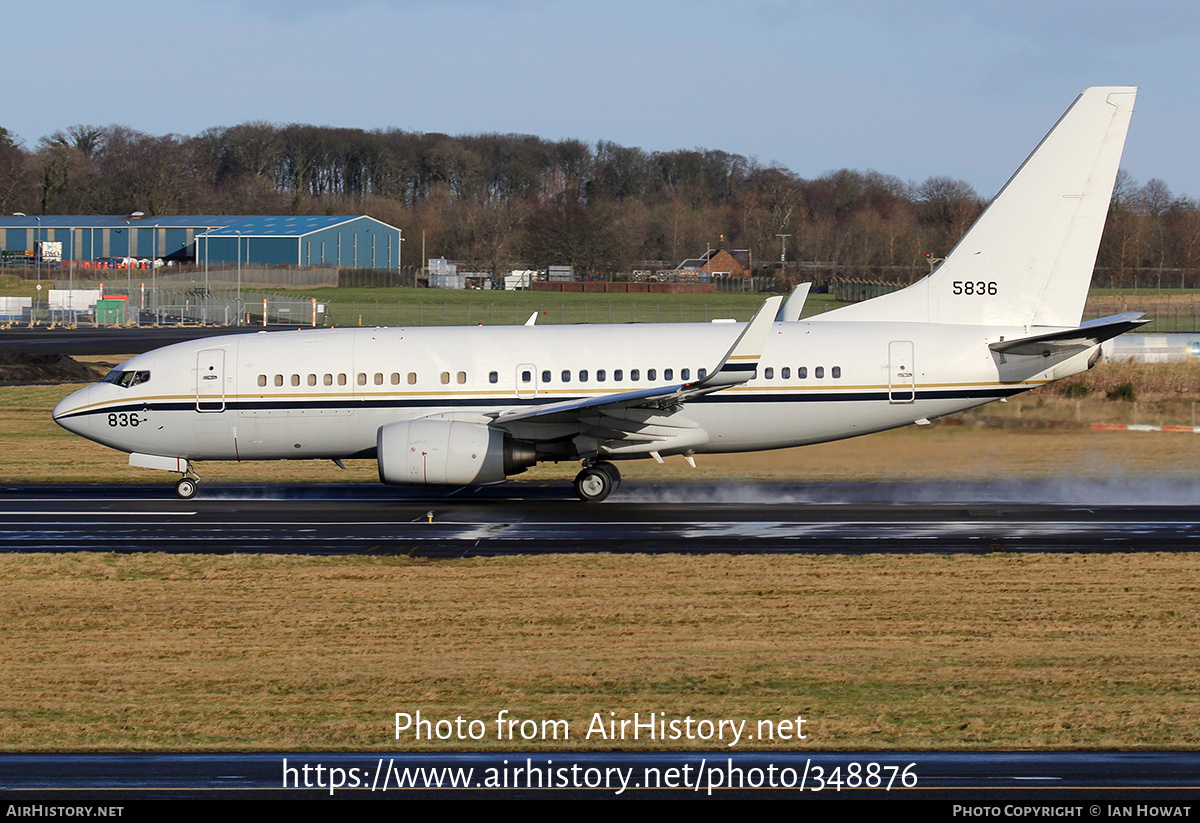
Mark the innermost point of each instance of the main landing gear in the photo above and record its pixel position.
(597, 481)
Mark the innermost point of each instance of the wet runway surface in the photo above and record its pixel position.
(543, 518)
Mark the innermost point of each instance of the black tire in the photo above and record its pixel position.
(186, 488)
(593, 484)
(611, 470)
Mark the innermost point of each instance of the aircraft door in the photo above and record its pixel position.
(902, 372)
(527, 378)
(210, 380)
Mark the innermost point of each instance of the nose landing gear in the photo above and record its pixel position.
(186, 488)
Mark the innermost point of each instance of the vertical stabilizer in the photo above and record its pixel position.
(1028, 259)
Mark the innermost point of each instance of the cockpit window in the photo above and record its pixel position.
(126, 379)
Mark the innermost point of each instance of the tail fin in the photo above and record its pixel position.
(1028, 259)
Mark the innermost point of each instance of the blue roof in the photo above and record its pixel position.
(283, 225)
(270, 225)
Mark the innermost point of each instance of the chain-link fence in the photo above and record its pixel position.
(161, 306)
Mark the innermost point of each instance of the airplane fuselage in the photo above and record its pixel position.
(325, 393)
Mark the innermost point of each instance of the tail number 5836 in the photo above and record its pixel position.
(974, 287)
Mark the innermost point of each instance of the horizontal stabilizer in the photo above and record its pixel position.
(1068, 341)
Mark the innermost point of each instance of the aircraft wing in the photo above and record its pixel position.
(1070, 341)
(736, 367)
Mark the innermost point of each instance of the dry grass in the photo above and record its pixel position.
(179, 653)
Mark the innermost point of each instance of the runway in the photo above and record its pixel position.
(517, 518)
(1086, 781)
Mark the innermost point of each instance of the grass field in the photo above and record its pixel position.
(183, 653)
(249, 652)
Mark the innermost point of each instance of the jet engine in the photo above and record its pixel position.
(433, 452)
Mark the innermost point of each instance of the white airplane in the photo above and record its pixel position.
(475, 405)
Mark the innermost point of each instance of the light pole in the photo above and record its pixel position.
(37, 259)
(71, 277)
(238, 232)
(37, 252)
(207, 239)
(129, 266)
(154, 273)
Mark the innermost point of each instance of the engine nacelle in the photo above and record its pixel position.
(448, 453)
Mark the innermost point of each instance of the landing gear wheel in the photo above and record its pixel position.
(611, 471)
(186, 488)
(593, 484)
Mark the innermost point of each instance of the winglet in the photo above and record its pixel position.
(740, 364)
(794, 305)
(532, 321)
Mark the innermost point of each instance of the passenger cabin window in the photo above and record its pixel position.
(566, 376)
(651, 374)
(546, 376)
(262, 380)
(279, 380)
(785, 372)
(378, 378)
(395, 378)
(685, 374)
(527, 376)
(802, 372)
(618, 375)
(601, 375)
(312, 380)
(341, 379)
(583, 375)
(462, 377)
(668, 374)
(769, 373)
(328, 380)
(819, 372)
(635, 374)
(295, 380)
(701, 374)
(835, 372)
(412, 378)
(494, 377)
(445, 378)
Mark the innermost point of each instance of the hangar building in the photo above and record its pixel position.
(346, 241)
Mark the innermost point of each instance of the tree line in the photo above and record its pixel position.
(500, 201)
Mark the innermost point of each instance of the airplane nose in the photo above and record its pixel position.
(66, 413)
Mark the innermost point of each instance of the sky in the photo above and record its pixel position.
(911, 88)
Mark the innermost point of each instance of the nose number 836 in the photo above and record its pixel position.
(123, 419)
